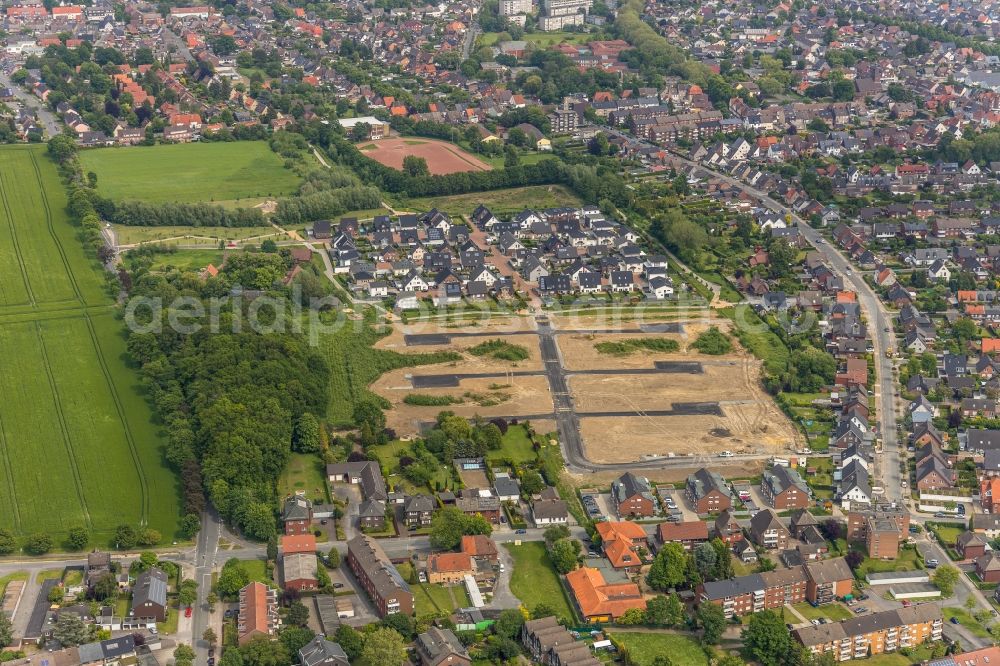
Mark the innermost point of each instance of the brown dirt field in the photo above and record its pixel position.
(744, 429)
(474, 479)
(632, 317)
(491, 325)
(579, 353)
(592, 393)
(529, 395)
(442, 158)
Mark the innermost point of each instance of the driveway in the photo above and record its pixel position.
(502, 596)
(351, 493)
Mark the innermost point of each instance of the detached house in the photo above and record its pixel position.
(633, 496)
(708, 492)
(783, 489)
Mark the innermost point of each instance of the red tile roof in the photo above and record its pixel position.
(595, 597)
(298, 543)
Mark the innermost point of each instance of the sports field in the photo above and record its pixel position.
(190, 172)
(77, 441)
(442, 157)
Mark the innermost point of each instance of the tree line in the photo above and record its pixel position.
(143, 214)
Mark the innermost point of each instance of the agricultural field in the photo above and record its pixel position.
(190, 172)
(442, 157)
(72, 414)
(501, 202)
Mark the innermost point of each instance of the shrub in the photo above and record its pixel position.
(500, 350)
(632, 345)
(424, 400)
(713, 342)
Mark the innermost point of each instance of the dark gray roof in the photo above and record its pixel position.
(435, 645)
(296, 508)
(150, 586)
(321, 651)
(629, 485)
(372, 483)
(733, 587)
(704, 481)
(781, 478)
(865, 624)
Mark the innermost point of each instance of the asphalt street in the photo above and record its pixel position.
(45, 117)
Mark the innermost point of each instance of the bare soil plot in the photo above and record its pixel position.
(473, 478)
(491, 325)
(442, 157)
(742, 428)
(594, 393)
(527, 396)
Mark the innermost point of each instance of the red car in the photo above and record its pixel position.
(187, 612)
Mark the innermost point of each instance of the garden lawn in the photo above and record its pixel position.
(517, 446)
(257, 569)
(190, 172)
(966, 619)
(304, 472)
(433, 598)
(822, 481)
(833, 612)
(947, 534)
(643, 648)
(534, 581)
(905, 561)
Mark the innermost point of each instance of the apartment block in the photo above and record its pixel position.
(819, 582)
(383, 583)
(888, 631)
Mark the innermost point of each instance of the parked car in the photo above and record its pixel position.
(187, 612)
(954, 620)
(520, 531)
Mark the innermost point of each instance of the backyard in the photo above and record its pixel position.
(907, 560)
(643, 648)
(430, 598)
(516, 446)
(534, 581)
(304, 472)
